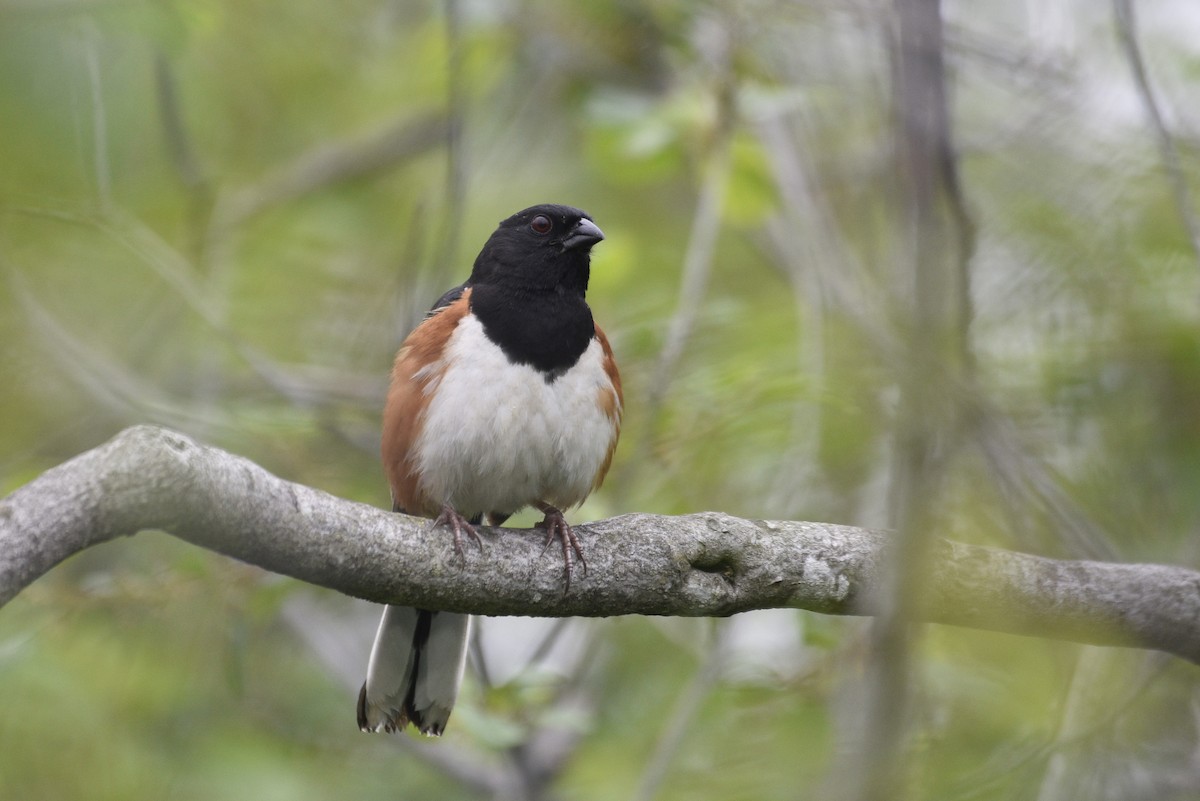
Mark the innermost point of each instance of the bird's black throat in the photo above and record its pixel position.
(548, 331)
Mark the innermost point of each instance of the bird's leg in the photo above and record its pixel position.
(458, 524)
(557, 528)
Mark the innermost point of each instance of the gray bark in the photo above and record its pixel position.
(150, 478)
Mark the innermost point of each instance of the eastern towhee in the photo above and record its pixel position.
(506, 396)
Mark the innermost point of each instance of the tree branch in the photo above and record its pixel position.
(150, 478)
(1126, 24)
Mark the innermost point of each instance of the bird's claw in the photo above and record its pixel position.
(458, 525)
(556, 527)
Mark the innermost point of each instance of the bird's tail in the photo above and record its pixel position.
(415, 670)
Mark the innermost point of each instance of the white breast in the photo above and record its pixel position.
(497, 437)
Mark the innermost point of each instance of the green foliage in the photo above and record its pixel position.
(157, 265)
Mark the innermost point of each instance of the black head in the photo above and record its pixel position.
(529, 283)
(544, 248)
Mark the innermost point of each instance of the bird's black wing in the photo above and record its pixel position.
(448, 298)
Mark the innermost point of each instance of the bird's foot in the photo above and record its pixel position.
(459, 525)
(557, 528)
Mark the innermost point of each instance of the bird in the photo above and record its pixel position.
(505, 396)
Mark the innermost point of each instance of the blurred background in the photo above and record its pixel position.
(223, 217)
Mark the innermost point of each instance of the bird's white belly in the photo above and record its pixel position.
(497, 437)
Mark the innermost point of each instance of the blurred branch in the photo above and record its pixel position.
(332, 163)
(1062, 778)
(706, 224)
(708, 564)
(996, 774)
(184, 159)
(936, 243)
(807, 239)
(714, 168)
(1126, 24)
(100, 161)
(828, 283)
(456, 167)
(65, 8)
(1031, 487)
(106, 381)
(175, 133)
(683, 716)
(303, 385)
(697, 265)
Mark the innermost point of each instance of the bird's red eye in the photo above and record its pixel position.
(541, 224)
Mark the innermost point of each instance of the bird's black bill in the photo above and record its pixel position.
(585, 234)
